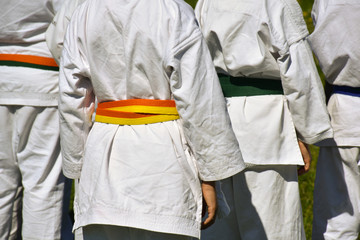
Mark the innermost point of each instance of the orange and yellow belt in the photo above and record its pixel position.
(136, 111)
(30, 61)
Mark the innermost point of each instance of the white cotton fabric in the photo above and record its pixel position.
(257, 206)
(22, 31)
(57, 29)
(142, 176)
(336, 194)
(24, 131)
(272, 119)
(29, 127)
(337, 189)
(335, 43)
(265, 39)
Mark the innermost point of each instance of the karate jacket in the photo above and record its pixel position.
(266, 39)
(56, 30)
(23, 33)
(143, 176)
(335, 42)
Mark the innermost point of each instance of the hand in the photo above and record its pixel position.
(305, 152)
(209, 201)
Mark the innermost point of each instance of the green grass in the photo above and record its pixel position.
(306, 184)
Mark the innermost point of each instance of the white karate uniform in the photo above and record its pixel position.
(265, 39)
(57, 29)
(335, 42)
(29, 126)
(55, 40)
(142, 176)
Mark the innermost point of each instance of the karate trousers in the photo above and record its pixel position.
(31, 182)
(108, 232)
(337, 194)
(264, 203)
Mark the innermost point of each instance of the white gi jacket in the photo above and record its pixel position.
(265, 39)
(23, 32)
(339, 59)
(56, 30)
(142, 176)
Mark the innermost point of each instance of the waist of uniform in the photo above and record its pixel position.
(351, 91)
(244, 86)
(30, 61)
(136, 111)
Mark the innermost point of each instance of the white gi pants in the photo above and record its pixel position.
(108, 232)
(264, 203)
(30, 157)
(337, 194)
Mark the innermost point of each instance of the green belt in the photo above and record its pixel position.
(30, 61)
(29, 65)
(244, 87)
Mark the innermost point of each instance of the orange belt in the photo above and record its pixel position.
(31, 61)
(136, 111)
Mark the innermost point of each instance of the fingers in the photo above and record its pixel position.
(305, 152)
(304, 169)
(307, 164)
(210, 218)
(209, 203)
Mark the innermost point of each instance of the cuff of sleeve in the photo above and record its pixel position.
(229, 173)
(71, 170)
(313, 140)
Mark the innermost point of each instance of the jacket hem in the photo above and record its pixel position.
(339, 142)
(150, 222)
(228, 174)
(322, 136)
(29, 99)
(71, 170)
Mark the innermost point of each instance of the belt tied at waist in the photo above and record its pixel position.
(30, 61)
(245, 87)
(136, 111)
(352, 91)
(346, 90)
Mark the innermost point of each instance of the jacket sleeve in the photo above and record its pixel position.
(76, 101)
(202, 108)
(57, 29)
(300, 79)
(305, 94)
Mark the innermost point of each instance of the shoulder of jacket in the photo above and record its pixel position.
(292, 20)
